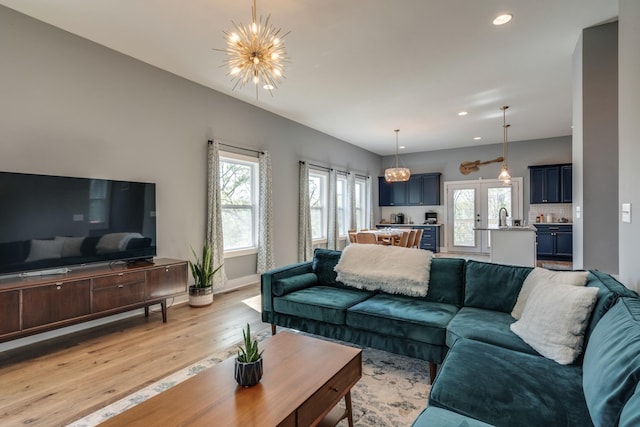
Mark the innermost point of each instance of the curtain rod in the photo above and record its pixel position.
(337, 170)
(237, 148)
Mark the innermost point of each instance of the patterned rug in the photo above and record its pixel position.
(392, 392)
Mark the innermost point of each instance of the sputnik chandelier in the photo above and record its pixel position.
(256, 53)
(397, 174)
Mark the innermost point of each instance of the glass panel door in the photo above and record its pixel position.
(473, 207)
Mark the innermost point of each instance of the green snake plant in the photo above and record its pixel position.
(202, 269)
(249, 352)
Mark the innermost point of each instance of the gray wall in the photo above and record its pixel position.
(629, 145)
(522, 154)
(72, 107)
(595, 149)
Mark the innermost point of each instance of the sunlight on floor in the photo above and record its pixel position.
(254, 302)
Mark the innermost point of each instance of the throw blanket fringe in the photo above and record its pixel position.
(387, 268)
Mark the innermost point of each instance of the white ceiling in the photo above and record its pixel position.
(362, 68)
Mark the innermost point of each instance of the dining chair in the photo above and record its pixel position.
(404, 239)
(417, 238)
(366, 238)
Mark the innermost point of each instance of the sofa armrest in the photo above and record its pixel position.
(270, 277)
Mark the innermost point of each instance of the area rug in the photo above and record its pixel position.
(392, 392)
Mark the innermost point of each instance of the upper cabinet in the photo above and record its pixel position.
(550, 184)
(421, 190)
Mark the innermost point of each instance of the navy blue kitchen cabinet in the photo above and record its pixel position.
(554, 241)
(550, 184)
(421, 190)
(566, 177)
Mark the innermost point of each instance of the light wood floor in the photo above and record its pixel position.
(56, 382)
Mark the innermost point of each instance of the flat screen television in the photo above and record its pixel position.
(49, 222)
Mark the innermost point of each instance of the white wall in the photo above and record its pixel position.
(629, 142)
(72, 107)
(595, 149)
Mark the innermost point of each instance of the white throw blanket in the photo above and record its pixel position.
(387, 268)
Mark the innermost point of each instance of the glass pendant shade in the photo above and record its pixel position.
(505, 176)
(397, 174)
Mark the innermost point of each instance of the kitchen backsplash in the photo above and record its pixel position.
(556, 210)
(413, 214)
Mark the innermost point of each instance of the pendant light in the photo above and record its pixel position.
(397, 174)
(504, 176)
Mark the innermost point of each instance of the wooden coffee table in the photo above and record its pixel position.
(304, 378)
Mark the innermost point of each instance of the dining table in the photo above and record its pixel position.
(384, 235)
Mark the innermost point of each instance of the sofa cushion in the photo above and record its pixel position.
(630, 416)
(555, 318)
(493, 286)
(402, 316)
(446, 282)
(294, 283)
(324, 262)
(609, 290)
(323, 303)
(542, 275)
(488, 326)
(509, 388)
(612, 362)
(438, 417)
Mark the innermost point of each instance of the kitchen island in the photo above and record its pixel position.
(513, 245)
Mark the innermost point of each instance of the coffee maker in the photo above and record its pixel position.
(399, 218)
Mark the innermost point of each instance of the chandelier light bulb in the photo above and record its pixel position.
(256, 53)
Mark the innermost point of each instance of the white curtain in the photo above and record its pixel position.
(333, 233)
(305, 244)
(265, 215)
(214, 213)
(351, 194)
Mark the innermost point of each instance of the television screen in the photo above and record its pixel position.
(52, 221)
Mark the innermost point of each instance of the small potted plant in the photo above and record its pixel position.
(201, 292)
(248, 367)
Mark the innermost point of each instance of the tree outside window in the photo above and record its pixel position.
(238, 190)
(318, 197)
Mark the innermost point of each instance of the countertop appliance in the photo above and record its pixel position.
(399, 218)
(431, 217)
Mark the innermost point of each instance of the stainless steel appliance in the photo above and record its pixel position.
(392, 219)
(400, 218)
(431, 217)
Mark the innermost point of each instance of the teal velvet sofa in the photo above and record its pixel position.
(488, 375)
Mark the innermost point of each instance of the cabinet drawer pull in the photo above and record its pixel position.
(121, 286)
(334, 389)
(120, 274)
(166, 269)
(58, 287)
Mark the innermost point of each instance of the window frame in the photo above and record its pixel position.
(229, 157)
(324, 201)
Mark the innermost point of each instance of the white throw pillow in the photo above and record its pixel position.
(44, 249)
(542, 275)
(555, 318)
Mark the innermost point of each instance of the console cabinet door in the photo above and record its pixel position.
(166, 281)
(9, 312)
(55, 302)
(120, 290)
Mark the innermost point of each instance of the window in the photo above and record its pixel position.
(98, 201)
(343, 206)
(239, 194)
(361, 204)
(318, 197)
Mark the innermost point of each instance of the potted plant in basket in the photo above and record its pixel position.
(248, 367)
(201, 292)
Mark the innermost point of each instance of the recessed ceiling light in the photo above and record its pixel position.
(502, 19)
(268, 87)
(402, 147)
(462, 113)
(477, 138)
